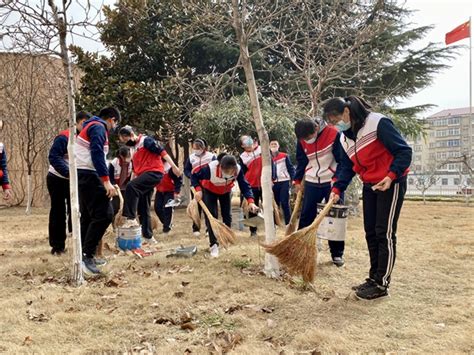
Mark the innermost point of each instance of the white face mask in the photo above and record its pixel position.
(247, 142)
(343, 126)
(310, 141)
(198, 151)
(227, 176)
(274, 150)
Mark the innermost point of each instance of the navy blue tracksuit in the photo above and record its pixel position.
(314, 194)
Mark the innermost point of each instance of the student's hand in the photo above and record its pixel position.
(198, 196)
(176, 171)
(7, 194)
(334, 196)
(110, 190)
(383, 185)
(253, 207)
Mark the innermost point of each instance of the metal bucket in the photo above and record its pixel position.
(334, 225)
(129, 238)
(237, 217)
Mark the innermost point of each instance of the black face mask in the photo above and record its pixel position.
(131, 143)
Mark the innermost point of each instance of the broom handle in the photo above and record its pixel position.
(322, 214)
(119, 194)
(204, 207)
(299, 198)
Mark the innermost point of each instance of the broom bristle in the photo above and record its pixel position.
(245, 207)
(297, 253)
(193, 212)
(225, 236)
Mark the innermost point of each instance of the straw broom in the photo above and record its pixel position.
(277, 215)
(193, 212)
(298, 251)
(294, 216)
(118, 218)
(225, 236)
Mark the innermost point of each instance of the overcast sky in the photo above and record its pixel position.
(450, 88)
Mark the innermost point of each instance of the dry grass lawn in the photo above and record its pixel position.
(177, 306)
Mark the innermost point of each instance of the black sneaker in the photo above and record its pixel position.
(56, 251)
(372, 292)
(89, 266)
(368, 282)
(338, 261)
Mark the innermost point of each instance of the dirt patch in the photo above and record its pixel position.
(200, 305)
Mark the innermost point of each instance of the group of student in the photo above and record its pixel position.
(350, 139)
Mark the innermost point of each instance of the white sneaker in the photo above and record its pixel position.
(151, 240)
(130, 223)
(214, 251)
(197, 233)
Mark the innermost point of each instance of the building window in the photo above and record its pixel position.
(444, 181)
(418, 148)
(410, 181)
(457, 181)
(454, 120)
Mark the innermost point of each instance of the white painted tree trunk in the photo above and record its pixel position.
(272, 268)
(77, 274)
(29, 195)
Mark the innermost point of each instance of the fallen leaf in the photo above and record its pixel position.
(185, 283)
(155, 305)
(179, 294)
(267, 309)
(186, 318)
(29, 303)
(113, 283)
(270, 323)
(60, 300)
(233, 309)
(187, 351)
(28, 340)
(41, 317)
(188, 326)
(111, 310)
(164, 320)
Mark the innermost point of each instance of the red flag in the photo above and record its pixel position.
(459, 33)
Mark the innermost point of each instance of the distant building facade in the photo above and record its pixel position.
(450, 135)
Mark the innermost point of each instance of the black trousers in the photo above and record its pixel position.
(210, 200)
(257, 196)
(381, 212)
(165, 214)
(96, 211)
(314, 194)
(281, 193)
(60, 211)
(138, 196)
(195, 227)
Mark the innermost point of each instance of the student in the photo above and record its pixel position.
(57, 182)
(285, 174)
(251, 159)
(317, 155)
(214, 183)
(95, 188)
(374, 149)
(148, 170)
(199, 158)
(168, 189)
(4, 181)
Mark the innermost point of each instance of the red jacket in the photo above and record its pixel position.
(252, 165)
(147, 156)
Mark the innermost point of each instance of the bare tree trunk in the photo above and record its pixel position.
(272, 268)
(424, 199)
(77, 274)
(29, 193)
(186, 191)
